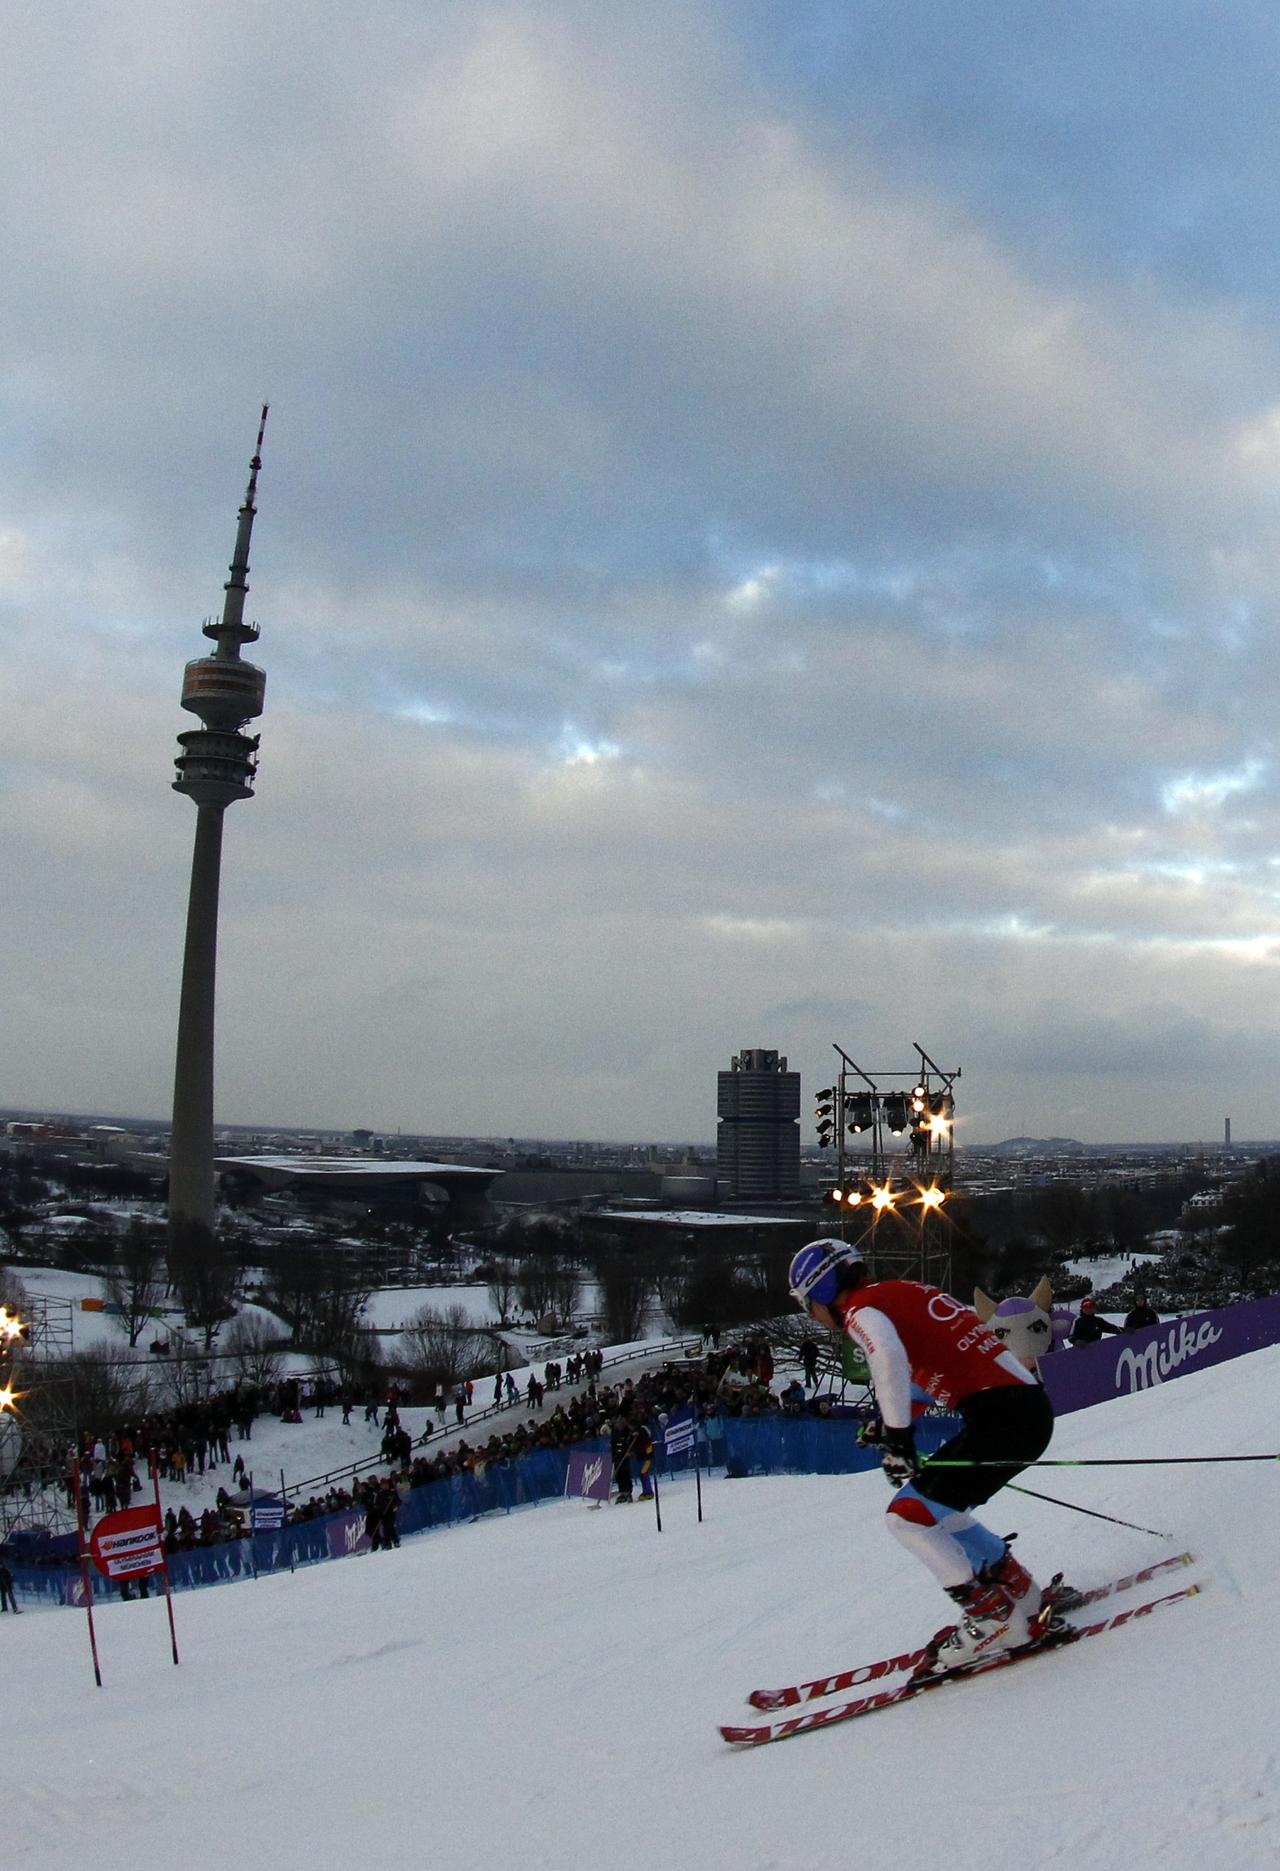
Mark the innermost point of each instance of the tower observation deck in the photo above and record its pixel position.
(217, 763)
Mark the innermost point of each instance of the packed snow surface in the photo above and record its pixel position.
(543, 1689)
(1105, 1270)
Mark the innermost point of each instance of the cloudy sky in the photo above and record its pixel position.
(768, 534)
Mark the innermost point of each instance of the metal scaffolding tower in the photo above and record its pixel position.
(38, 1430)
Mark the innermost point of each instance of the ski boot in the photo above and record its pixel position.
(989, 1623)
(1044, 1607)
(999, 1606)
(1013, 1579)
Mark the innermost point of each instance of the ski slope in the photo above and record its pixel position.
(542, 1690)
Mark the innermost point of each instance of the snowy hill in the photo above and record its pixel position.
(543, 1689)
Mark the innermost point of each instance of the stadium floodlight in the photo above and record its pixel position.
(824, 1115)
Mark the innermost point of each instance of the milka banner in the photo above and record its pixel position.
(589, 1477)
(346, 1534)
(1116, 1367)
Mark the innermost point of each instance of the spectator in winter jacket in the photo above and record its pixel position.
(621, 1439)
(642, 1456)
(1090, 1326)
(1141, 1313)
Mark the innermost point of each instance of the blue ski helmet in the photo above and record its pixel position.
(816, 1269)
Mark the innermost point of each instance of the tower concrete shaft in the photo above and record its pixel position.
(216, 767)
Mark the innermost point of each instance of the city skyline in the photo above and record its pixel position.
(771, 539)
(856, 1149)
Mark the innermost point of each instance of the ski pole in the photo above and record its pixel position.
(1092, 1461)
(1091, 1511)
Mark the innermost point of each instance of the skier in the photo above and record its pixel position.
(921, 1345)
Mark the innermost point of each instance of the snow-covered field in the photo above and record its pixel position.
(1105, 1269)
(394, 1306)
(388, 1309)
(543, 1689)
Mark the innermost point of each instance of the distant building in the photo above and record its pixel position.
(357, 1184)
(758, 1139)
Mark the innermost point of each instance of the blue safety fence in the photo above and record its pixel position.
(737, 1446)
(798, 1445)
(538, 1476)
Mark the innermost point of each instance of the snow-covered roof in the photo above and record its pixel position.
(694, 1218)
(372, 1169)
(342, 1165)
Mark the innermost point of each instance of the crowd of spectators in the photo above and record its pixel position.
(733, 1382)
(189, 1440)
(197, 1439)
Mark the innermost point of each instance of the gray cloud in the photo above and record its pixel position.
(768, 533)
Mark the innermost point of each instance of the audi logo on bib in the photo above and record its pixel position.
(945, 1309)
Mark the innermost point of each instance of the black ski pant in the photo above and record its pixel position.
(1004, 1431)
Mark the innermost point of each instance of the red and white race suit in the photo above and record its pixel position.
(911, 1333)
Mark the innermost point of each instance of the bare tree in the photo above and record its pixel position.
(13, 1293)
(566, 1286)
(670, 1274)
(624, 1284)
(293, 1285)
(109, 1390)
(336, 1329)
(136, 1284)
(184, 1376)
(255, 1349)
(202, 1272)
(721, 1290)
(537, 1286)
(503, 1284)
(443, 1346)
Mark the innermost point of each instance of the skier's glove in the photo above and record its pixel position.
(871, 1435)
(899, 1458)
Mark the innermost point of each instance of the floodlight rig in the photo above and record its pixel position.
(38, 1425)
(870, 1103)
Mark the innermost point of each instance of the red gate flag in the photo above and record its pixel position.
(127, 1544)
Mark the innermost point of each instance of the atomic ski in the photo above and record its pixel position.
(889, 1666)
(908, 1691)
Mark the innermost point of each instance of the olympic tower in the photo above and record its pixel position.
(216, 767)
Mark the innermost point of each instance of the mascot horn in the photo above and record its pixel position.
(1030, 1327)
